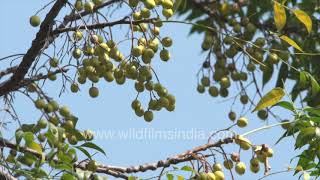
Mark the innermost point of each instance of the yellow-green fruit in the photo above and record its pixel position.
(269, 152)
(166, 42)
(135, 104)
(35, 21)
(32, 87)
(219, 175)
(148, 116)
(77, 35)
(240, 168)
(244, 99)
(73, 140)
(133, 3)
(254, 162)
(254, 169)
(164, 55)
(201, 88)
(216, 167)
(77, 53)
(42, 123)
(69, 125)
(94, 92)
(40, 103)
(97, 2)
(242, 122)
(92, 165)
(54, 120)
(286, 124)
(167, 13)
(64, 111)
(263, 114)
(139, 112)
(205, 81)
(228, 164)
(213, 91)
(225, 82)
(54, 62)
(211, 176)
(88, 7)
(137, 16)
(78, 5)
(139, 86)
(232, 115)
(243, 142)
(150, 4)
(137, 51)
(52, 76)
(167, 4)
(145, 13)
(74, 87)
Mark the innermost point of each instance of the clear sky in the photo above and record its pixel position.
(195, 113)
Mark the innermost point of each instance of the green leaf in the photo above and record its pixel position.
(35, 146)
(267, 74)
(285, 104)
(280, 16)
(304, 18)
(282, 76)
(291, 42)
(187, 168)
(170, 177)
(28, 137)
(84, 151)
(19, 136)
(303, 79)
(270, 99)
(93, 146)
(132, 178)
(315, 88)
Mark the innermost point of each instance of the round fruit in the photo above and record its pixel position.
(167, 13)
(148, 116)
(211, 176)
(286, 124)
(216, 167)
(73, 140)
(228, 164)
(205, 81)
(42, 123)
(254, 162)
(92, 165)
(243, 142)
(97, 2)
(235, 157)
(200, 88)
(77, 35)
(242, 122)
(225, 82)
(240, 168)
(273, 58)
(244, 99)
(88, 7)
(254, 169)
(54, 62)
(94, 92)
(232, 115)
(74, 87)
(213, 91)
(40, 103)
(35, 21)
(64, 111)
(77, 53)
(69, 125)
(263, 114)
(219, 175)
(164, 55)
(150, 4)
(78, 5)
(166, 42)
(135, 104)
(269, 152)
(167, 4)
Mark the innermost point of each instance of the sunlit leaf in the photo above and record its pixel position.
(84, 151)
(286, 105)
(280, 16)
(35, 146)
(291, 42)
(187, 168)
(304, 18)
(270, 99)
(315, 88)
(180, 177)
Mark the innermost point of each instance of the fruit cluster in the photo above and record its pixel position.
(236, 53)
(98, 55)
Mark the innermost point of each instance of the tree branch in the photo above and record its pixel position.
(37, 46)
(101, 25)
(122, 171)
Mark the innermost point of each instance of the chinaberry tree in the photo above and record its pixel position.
(247, 43)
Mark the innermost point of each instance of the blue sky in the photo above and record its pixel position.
(111, 111)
